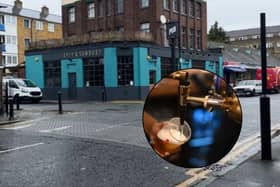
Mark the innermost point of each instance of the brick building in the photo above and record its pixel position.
(82, 17)
(19, 27)
(118, 49)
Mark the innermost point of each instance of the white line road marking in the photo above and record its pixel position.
(17, 127)
(55, 129)
(113, 126)
(21, 147)
(24, 124)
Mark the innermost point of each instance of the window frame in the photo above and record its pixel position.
(72, 15)
(145, 29)
(51, 27)
(119, 6)
(144, 3)
(29, 23)
(91, 13)
(39, 25)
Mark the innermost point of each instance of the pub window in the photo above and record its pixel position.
(199, 64)
(52, 73)
(125, 70)
(184, 37)
(192, 40)
(199, 42)
(145, 27)
(144, 3)
(166, 66)
(100, 8)
(184, 6)
(71, 15)
(175, 5)
(91, 10)
(191, 8)
(108, 7)
(93, 72)
(198, 10)
(166, 4)
(119, 6)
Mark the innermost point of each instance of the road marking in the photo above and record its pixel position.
(112, 126)
(21, 147)
(240, 148)
(17, 127)
(55, 129)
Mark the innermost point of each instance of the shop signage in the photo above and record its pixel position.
(83, 53)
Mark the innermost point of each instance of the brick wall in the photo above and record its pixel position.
(131, 19)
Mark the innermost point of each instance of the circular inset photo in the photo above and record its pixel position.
(192, 118)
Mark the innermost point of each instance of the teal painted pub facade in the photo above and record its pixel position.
(108, 71)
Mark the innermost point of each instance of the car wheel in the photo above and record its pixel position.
(253, 92)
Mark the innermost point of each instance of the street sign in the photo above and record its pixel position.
(172, 30)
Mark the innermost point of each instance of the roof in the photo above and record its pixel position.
(253, 31)
(246, 56)
(30, 13)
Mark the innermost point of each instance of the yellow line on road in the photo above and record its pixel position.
(198, 174)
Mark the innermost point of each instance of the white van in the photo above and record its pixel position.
(24, 88)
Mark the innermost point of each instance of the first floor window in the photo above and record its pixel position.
(27, 42)
(26, 23)
(192, 40)
(71, 15)
(125, 70)
(39, 25)
(52, 73)
(145, 27)
(166, 4)
(198, 38)
(175, 5)
(91, 10)
(50, 27)
(144, 3)
(191, 8)
(93, 72)
(119, 6)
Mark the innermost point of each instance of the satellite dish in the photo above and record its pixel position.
(162, 19)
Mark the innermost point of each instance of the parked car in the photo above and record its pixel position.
(25, 89)
(248, 87)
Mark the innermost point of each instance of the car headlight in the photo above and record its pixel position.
(24, 90)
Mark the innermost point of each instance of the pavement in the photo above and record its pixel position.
(251, 171)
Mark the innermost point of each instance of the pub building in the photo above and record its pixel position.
(107, 56)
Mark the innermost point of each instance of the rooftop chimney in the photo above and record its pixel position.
(17, 6)
(44, 12)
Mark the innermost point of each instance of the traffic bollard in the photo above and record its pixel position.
(59, 102)
(11, 113)
(17, 102)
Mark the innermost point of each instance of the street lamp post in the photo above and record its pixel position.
(264, 99)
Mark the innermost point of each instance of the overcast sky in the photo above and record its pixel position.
(230, 14)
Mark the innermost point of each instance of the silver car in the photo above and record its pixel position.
(248, 87)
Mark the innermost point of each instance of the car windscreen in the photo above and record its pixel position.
(247, 82)
(26, 83)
